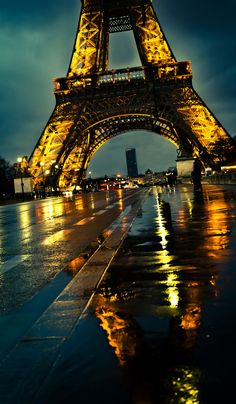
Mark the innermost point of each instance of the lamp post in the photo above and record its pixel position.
(19, 161)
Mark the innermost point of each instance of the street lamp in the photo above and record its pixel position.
(19, 161)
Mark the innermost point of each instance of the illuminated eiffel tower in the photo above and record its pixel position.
(94, 104)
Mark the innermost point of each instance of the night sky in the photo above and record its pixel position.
(36, 41)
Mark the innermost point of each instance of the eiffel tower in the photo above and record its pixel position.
(94, 104)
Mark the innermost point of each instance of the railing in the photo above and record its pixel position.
(162, 71)
(115, 76)
(220, 178)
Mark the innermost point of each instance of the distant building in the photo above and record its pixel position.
(131, 161)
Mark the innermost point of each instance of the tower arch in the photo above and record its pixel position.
(79, 157)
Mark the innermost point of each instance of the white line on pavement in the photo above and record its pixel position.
(100, 212)
(12, 262)
(84, 221)
(58, 236)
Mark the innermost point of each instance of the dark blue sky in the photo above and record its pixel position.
(36, 40)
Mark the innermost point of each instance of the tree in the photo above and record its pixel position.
(6, 178)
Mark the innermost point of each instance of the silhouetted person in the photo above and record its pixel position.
(196, 176)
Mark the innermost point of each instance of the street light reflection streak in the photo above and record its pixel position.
(173, 296)
(165, 259)
(25, 224)
(79, 204)
(161, 231)
(172, 290)
(217, 228)
(162, 257)
(190, 207)
(120, 199)
(50, 210)
(58, 236)
(92, 201)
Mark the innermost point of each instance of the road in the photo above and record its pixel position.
(44, 243)
(160, 325)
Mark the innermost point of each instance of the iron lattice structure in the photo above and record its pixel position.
(94, 104)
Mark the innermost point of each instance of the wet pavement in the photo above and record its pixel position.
(161, 326)
(168, 309)
(39, 239)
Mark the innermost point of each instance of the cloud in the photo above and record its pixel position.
(38, 13)
(36, 47)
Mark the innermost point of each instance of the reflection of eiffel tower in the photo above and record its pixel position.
(94, 104)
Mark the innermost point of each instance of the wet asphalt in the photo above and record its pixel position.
(161, 326)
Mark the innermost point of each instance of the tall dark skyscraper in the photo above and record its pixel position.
(131, 161)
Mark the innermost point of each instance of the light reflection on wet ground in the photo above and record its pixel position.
(161, 328)
(162, 307)
(41, 237)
